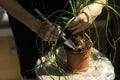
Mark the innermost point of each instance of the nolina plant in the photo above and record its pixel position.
(48, 50)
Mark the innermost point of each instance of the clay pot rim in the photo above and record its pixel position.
(78, 52)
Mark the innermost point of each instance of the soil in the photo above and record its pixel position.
(82, 43)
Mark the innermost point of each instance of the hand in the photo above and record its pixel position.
(45, 30)
(85, 18)
(48, 31)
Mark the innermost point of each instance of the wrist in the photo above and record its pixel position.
(101, 2)
(93, 9)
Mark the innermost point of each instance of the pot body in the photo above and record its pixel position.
(78, 62)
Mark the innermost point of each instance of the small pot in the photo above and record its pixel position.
(78, 61)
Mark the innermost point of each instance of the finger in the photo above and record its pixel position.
(54, 35)
(58, 29)
(48, 34)
(76, 26)
(73, 23)
(78, 19)
(63, 34)
(79, 29)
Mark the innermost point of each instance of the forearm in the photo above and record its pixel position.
(101, 2)
(16, 10)
(95, 8)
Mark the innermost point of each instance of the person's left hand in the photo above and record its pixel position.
(85, 18)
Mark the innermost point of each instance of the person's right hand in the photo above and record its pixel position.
(46, 31)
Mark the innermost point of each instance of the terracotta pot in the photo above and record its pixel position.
(77, 61)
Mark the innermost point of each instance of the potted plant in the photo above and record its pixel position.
(78, 59)
(84, 42)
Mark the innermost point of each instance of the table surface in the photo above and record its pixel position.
(100, 68)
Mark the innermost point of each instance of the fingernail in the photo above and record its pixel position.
(69, 28)
(73, 33)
